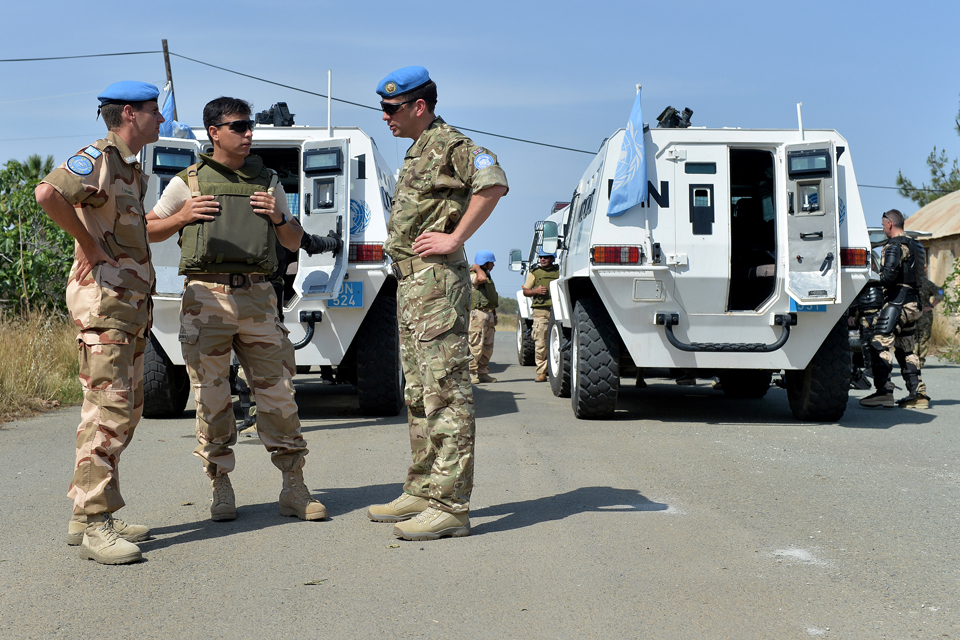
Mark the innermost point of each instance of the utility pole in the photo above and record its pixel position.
(166, 62)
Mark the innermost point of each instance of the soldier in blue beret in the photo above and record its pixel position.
(447, 188)
(97, 197)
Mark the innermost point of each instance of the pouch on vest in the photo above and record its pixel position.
(237, 240)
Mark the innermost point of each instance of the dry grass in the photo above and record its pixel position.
(506, 322)
(38, 364)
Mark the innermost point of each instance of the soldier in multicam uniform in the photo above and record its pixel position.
(446, 189)
(537, 286)
(97, 197)
(930, 296)
(483, 316)
(901, 274)
(229, 303)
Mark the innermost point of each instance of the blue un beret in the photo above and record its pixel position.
(402, 81)
(128, 91)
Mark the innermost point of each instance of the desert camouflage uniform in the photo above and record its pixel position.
(111, 309)
(541, 306)
(899, 344)
(217, 318)
(929, 294)
(483, 327)
(440, 172)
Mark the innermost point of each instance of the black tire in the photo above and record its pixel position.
(820, 392)
(166, 386)
(747, 384)
(594, 359)
(526, 349)
(379, 374)
(558, 358)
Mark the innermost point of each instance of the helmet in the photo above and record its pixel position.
(544, 254)
(484, 256)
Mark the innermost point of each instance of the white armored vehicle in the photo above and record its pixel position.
(741, 263)
(340, 310)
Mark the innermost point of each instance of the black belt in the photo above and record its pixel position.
(235, 280)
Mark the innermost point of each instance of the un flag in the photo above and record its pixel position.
(630, 180)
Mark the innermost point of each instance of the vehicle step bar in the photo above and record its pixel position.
(670, 319)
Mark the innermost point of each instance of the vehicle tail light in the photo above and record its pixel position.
(854, 257)
(367, 252)
(614, 254)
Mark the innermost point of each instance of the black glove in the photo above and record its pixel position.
(312, 243)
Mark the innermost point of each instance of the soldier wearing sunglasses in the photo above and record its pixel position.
(447, 188)
(231, 212)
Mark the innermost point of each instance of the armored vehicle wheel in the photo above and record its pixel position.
(525, 345)
(745, 383)
(594, 359)
(819, 393)
(379, 374)
(558, 358)
(165, 385)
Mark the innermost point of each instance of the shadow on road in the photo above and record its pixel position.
(516, 515)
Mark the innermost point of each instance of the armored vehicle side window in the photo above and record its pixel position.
(701, 209)
(705, 168)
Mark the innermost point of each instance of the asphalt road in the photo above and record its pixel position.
(688, 515)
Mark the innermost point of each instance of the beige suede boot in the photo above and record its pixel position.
(103, 544)
(127, 531)
(295, 498)
(223, 505)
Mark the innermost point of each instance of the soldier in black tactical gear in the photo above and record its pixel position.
(902, 271)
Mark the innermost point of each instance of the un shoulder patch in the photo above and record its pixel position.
(483, 161)
(80, 165)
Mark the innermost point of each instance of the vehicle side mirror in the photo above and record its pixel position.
(516, 261)
(550, 240)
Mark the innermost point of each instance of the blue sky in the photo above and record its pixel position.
(886, 75)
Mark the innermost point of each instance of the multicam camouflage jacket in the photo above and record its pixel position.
(440, 172)
(105, 184)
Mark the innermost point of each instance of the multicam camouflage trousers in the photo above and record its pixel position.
(111, 374)
(898, 346)
(541, 327)
(924, 332)
(432, 314)
(483, 327)
(215, 319)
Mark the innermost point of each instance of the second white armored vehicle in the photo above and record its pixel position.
(340, 310)
(741, 263)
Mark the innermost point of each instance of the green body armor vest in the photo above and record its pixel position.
(237, 240)
(544, 276)
(485, 296)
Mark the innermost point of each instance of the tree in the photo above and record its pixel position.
(35, 254)
(942, 181)
(37, 168)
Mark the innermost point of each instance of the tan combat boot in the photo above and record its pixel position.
(127, 531)
(403, 508)
(295, 498)
(433, 524)
(541, 378)
(223, 505)
(918, 401)
(474, 379)
(102, 543)
(484, 377)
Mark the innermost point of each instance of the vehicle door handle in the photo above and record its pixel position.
(827, 263)
(306, 204)
(812, 234)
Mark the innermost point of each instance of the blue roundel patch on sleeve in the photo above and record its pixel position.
(80, 165)
(483, 161)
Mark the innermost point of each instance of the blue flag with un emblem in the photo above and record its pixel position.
(170, 128)
(630, 180)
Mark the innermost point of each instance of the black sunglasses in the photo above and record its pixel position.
(238, 126)
(391, 108)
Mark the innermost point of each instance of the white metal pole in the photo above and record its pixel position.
(329, 103)
(800, 119)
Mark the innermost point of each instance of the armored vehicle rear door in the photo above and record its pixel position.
(813, 250)
(325, 207)
(701, 255)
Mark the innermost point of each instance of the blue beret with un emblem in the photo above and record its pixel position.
(128, 91)
(402, 81)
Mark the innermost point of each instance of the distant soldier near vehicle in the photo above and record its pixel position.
(231, 211)
(930, 296)
(902, 270)
(483, 316)
(97, 197)
(446, 189)
(537, 286)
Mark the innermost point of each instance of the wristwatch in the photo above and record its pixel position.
(283, 220)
